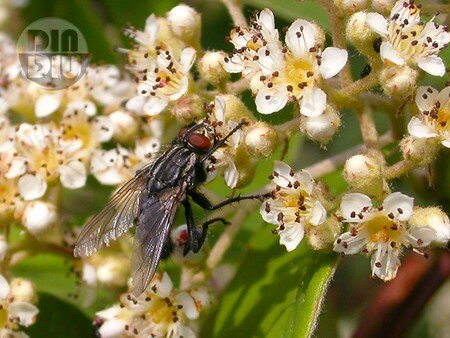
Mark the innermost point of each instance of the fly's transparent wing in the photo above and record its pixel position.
(154, 224)
(115, 218)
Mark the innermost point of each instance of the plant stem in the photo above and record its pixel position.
(398, 169)
(433, 9)
(235, 9)
(237, 87)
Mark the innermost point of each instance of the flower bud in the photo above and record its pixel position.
(364, 174)
(351, 6)
(38, 217)
(399, 82)
(261, 140)
(23, 290)
(3, 247)
(125, 126)
(211, 69)
(185, 23)
(319, 34)
(321, 128)
(235, 109)
(360, 35)
(420, 151)
(245, 166)
(113, 271)
(322, 237)
(383, 6)
(436, 219)
(188, 108)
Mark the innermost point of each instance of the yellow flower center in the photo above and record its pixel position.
(443, 120)
(298, 74)
(382, 229)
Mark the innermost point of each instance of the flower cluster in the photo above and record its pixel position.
(161, 311)
(280, 73)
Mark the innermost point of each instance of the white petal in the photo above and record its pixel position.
(419, 129)
(110, 176)
(433, 65)
(17, 168)
(283, 176)
(89, 276)
(151, 28)
(349, 244)
(268, 102)
(306, 181)
(426, 235)
(314, 102)
(4, 288)
(389, 263)
(333, 60)
(267, 22)
(400, 205)
(444, 96)
(189, 307)
(136, 104)
(25, 312)
(231, 175)
(291, 236)
(270, 59)
(377, 23)
(219, 108)
(73, 175)
(32, 186)
(426, 98)
(354, 202)
(38, 216)
(113, 329)
(187, 59)
(155, 105)
(234, 64)
(387, 52)
(182, 89)
(446, 143)
(318, 214)
(47, 104)
(300, 45)
(104, 128)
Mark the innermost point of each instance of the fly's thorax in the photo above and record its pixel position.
(175, 165)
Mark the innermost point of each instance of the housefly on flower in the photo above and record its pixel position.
(151, 199)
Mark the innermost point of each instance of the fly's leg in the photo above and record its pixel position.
(202, 201)
(201, 239)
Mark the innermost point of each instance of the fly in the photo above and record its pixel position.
(150, 200)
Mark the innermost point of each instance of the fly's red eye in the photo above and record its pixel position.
(199, 141)
(183, 131)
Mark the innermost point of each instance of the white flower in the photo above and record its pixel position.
(162, 72)
(292, 206)
(278, 73)
(161, 311)
(407, 41)
(434, 120)
(14, 312)
(381, 232)
(111, 167)
(43, 154)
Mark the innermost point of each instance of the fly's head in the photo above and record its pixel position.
(197, 138)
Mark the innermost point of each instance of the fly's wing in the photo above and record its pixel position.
(115, 218)
(154, 224)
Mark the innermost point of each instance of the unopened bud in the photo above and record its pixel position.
(420, 151)
(399, 82)
(351, 6)
(323, 127)
(188, 108)
(22, 290)
(235, 109)
(245, 166)
(322, 237)
(364, 174)
(434, 218)
(38, 217)
(319, 34)
(211, 69)
(113, 271)
(360, 35)
(185, 23)
(383, 6)
(261, 140)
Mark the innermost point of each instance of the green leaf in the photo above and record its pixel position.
(291, 10)
(274, 293)
(57, 318)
